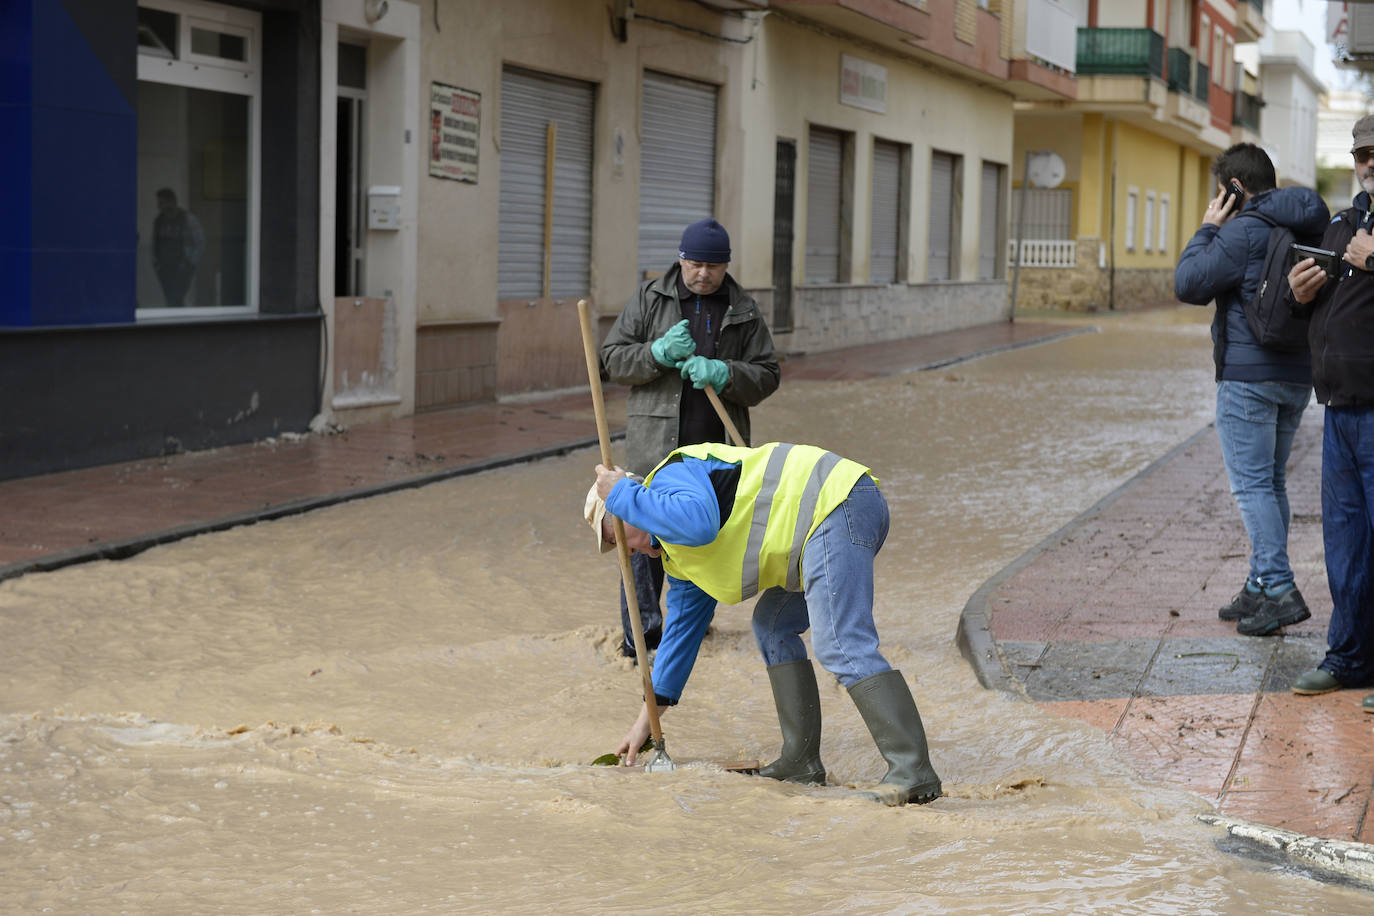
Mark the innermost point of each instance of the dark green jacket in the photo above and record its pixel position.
(651, 411)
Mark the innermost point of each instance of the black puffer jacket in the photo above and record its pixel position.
(1341, 330)
(1225, 263)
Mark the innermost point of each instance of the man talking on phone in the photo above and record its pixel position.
(1341, 336)
(1261, 391)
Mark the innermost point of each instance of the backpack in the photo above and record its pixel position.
(1273, 325)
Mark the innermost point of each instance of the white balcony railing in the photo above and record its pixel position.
(1044, 253)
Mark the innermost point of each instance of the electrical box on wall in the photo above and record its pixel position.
(384, 207)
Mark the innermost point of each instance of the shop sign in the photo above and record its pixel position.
(863, 84)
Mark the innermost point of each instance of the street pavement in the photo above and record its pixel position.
(1111, 621)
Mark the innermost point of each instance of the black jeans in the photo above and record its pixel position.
(648, 573)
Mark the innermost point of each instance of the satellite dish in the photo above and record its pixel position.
(1045, 169)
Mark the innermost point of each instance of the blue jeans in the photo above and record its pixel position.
(836, 601)
(1347, 514)
(1256, 422)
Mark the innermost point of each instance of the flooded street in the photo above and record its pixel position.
(388, 706)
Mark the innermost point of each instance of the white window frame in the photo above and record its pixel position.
(1163, 223)
(216, 74)
(1132, 209)
(1204, 40)
(1230, 55)
(1148, 236)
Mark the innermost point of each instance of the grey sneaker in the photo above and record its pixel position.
(1245, 604)
(1275, 613)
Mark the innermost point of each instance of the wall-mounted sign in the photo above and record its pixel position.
(862, 84)
(454, 118)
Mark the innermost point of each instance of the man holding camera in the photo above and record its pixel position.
(1261, 391)
(1341, 335)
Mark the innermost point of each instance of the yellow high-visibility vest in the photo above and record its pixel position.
(784, 493)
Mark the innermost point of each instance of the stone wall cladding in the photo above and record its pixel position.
(1085, 287)
(833, 317)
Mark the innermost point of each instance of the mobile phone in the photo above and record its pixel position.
(1233, 191)
(1329, 260)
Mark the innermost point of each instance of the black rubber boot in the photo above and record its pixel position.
(798, 699)
(884, 700)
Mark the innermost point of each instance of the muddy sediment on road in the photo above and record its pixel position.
(388, 706)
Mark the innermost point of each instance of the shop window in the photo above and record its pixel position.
(198, 110)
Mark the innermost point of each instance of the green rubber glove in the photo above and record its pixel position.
(704, 371)
(675, 346)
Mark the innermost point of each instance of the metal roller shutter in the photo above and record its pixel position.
(884, 226)
(990, 222)
(825, 162)
(941, 216)
(529, 101)
(677, 164)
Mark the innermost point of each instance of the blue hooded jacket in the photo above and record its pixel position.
(1225, 263)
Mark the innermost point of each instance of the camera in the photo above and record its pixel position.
(1329, 260)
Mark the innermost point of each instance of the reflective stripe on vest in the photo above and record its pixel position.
(809, 481)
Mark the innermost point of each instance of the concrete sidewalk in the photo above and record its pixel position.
(1112, 620)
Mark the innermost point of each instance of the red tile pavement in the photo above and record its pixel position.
(1151, 564)
(115, 510)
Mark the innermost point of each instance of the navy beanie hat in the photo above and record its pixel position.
(705, 241)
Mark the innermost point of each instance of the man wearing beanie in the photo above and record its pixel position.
(694, 326)
(1341, 338)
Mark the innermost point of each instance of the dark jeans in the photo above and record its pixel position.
(1347, 516)
(648, 573)
(176, 281)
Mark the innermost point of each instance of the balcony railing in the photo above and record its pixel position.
(1044, 253)
(1180, 76)
(1120, 52)
(1248, 110)
(1202, 83)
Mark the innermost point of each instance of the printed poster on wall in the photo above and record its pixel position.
(455, 115)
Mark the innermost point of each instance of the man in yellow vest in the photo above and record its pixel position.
(799, 527)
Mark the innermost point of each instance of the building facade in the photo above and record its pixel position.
(311, 212)
(1160, 94)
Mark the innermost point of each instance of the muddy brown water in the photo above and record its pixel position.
(388, 706)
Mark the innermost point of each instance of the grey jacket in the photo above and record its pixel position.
(651, 411)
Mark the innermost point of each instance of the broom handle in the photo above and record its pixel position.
(724, 417)
(626, 573)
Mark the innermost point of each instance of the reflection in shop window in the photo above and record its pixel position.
(197, 94)
(192, 197)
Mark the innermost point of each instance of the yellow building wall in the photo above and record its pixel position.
(1062, 134)
(1094, 184)
(1150, 168)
